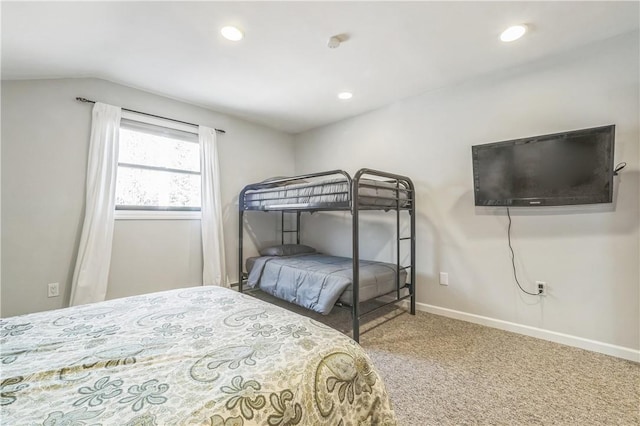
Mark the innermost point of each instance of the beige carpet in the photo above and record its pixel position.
(441, 371)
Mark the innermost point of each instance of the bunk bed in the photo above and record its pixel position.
(336, 190)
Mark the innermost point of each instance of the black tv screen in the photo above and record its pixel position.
(561, 169)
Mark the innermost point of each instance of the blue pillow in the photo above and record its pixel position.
(286, 250)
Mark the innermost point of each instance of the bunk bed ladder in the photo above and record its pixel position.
(288, 231)
(399, 239)
(407, 186)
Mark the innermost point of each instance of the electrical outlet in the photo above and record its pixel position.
(444, 278)
(542, 288)
(53, 290)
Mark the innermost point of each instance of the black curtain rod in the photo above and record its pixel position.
(150, 115)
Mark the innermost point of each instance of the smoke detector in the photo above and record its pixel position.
(336, 40)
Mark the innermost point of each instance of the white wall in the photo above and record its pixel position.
(45, 135)
(588, 255)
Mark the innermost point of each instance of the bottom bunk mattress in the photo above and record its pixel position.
(198, 356)
(318, 281)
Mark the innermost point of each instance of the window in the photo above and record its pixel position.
(158, 168)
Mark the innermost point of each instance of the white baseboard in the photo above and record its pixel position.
(552, 336)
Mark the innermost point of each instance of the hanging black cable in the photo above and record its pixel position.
(619, 167)
(513, 262)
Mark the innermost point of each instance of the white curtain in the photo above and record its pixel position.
(94, 254)
(211, 223)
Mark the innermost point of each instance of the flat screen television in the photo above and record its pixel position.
(561, 169)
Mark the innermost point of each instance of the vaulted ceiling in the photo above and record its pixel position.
(282, 73)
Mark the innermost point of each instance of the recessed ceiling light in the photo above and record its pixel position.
(513, 33)
(231, 33)
(345, 95)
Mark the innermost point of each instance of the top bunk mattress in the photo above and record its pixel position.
(328, 193)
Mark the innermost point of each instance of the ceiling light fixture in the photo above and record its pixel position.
(231, 33)
(513, 33)
(345, 95)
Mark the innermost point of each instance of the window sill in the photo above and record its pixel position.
(156, 215)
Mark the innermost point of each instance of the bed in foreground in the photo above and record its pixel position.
(197, 356)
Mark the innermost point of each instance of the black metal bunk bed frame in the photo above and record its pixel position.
(402, 185)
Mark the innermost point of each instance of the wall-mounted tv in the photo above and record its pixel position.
(561, 169)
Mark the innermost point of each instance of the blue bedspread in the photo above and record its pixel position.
(317, 281)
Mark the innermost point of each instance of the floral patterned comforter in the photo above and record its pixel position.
(197, 356)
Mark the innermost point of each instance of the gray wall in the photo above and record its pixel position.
(45, 135)
(588, 255)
